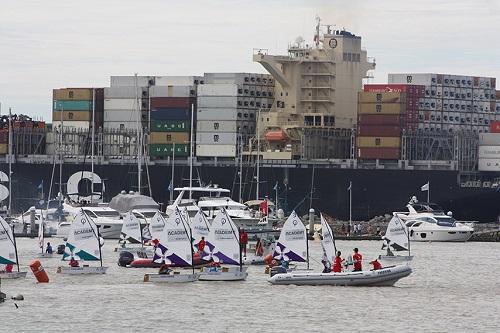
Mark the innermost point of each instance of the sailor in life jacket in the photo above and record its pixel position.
(376, 264)
(357, 257)
(337, 263)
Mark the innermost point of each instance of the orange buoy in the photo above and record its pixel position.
(268, 259)
(39, 271)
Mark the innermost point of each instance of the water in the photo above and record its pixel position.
(454, 287)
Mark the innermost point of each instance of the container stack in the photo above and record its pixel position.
(489, 150)
(26, 134)
(73, 107)
(228, 104)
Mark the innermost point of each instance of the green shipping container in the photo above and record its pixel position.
(169, 126)
(164, 150)
(72, 105)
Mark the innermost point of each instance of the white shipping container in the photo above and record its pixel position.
(216, 126)
(217, 102)
(489, 152)
(127, 125)
(216, 138)
(121, 104)
(486, 164)
(130, 81)
(177, 80)
(219, 89)
(172, 91)
(125, 92)
(411, 78)
(489, 139)
(222, 78)
(203, 113)
(122, 115)
(216, 150)
(71, 124)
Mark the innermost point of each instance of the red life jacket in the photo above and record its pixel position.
(357, 261)
(376, 265)
(8, 268)
(244, 238)
(201, 245)
(337, 265)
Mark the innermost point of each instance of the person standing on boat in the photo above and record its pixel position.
(357, 257)
(337, 263)
(201, 246)
(49, 250)
(243, 241)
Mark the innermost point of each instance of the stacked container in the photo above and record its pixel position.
(489, 152)
(74, 106)
(126, 107)
(27, 135)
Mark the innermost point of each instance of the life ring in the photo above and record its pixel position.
(39, 272)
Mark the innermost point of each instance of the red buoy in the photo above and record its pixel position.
(39, 271)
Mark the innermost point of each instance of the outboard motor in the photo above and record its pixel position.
(125, 259)
(60, 249)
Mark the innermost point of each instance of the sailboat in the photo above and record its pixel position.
(397, 239)
(156, 226)
(132, 233)
(8, 251)
(174, 248)
(84, 243)
(41, 239)
(387, 276)
(223, 246)
(327, 242)
(200, 227)
(292, 243)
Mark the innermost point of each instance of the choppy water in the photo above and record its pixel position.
(453, 288)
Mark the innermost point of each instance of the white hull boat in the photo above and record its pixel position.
(13, 275)
(253, 260)
(387, 276)
(81, 270)
(175, 277)
(223, 274)
(440, 234)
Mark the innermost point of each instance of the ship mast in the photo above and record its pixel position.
(138, 139)
(10, 163)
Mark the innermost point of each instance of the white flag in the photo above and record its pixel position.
(425, 187)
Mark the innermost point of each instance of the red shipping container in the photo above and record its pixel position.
(378, 153)
(411, 89)
(495, 126)
(170, 102)
(379, 119)
(379, 130)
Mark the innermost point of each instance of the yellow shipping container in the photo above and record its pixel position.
(374, 141)
(383, 97)
(4, 148)
(72, 115)
(168, 137)
(72, 94)
(382, 108)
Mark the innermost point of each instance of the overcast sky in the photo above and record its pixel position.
(52, 44)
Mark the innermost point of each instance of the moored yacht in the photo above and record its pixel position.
(108, 220)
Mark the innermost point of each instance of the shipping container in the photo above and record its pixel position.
(121, 125)
(126, 92)
(124, 115)
(485, 164)
(489, 139)
(220, 102)
(169, 125)
(495, 126)
(131, 81)
(164, 150)
(172, 91)
(168, 137)
(379, 153)
(71, 115)
(216, 138)
(379, 119)
(383, 97)
(65, 94)
(4, 136)
(227, 89)
(489, 152)
(216, 126)
(412, 78)
(218, 113)
(72, 105)
(178, 80)
(121, 104)
(71, 124)
(384, 108)
(170, 114)
(373, 141)
(203, 150)
(172, 102)
(379, 130)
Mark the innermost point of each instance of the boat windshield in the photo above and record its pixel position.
(103, 213)
(445, 221)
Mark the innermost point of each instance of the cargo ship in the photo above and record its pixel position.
(300, 134)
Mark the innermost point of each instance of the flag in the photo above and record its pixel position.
(275, 188)
(40, 187)
(169, 188)
(425, 187)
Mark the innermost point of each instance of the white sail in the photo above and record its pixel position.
(395, 236)
(223, 240)
(327, 243)
(292, 243)
(131, 228)
(175, 242)
(7, 248)
(40, 232)
(200, 227)
(156, 225)
(83, 240)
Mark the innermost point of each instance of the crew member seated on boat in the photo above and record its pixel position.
(49, 250)
(201, 246)
(165, 269)
(376, 265)
(73, 262)
(9, 268)
(243, 241)
(358, 258)
(337, 263)
(326, 266)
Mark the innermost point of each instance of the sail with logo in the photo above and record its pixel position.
(200, 228)
(292, 243)
(327, 241)
(8, 252)
(156, 226)
(131, 229)
(83, 243)
(396, 239)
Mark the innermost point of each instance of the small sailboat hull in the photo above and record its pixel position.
(383, 277)
(395, 258)
(13, 275)
(223, 274)
(254, 260)
(171, 278)
(85, 270)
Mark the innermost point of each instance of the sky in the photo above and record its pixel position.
(55, 44)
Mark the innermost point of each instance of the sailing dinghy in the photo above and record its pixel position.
(41, 239)
(174, 248)
(223, 247)
(8, 251)
(132, 233)
(396, 239)
(387, 276)
(84, 243)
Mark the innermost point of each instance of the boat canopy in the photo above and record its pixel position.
(125, 202)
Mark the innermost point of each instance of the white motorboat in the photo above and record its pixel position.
(387, 276)
(427, 222)
(107, 219)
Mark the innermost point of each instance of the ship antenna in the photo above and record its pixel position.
(316, 37)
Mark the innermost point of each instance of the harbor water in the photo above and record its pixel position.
(454, 287)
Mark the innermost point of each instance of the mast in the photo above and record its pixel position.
(307, 249)
(350, 203)
(190, 240)
(10, 166)
(428, 191)
(15, 248)
(258, 156)
(40, 230)
(241, 168)
(172, 176)
(191, 153)
(92, 150)
(139, 138)
(312, 189)
(61, 156)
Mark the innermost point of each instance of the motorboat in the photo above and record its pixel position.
(108, 220)
(427, 222)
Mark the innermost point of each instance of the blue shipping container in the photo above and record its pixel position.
(72, 105)
(170, 114)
